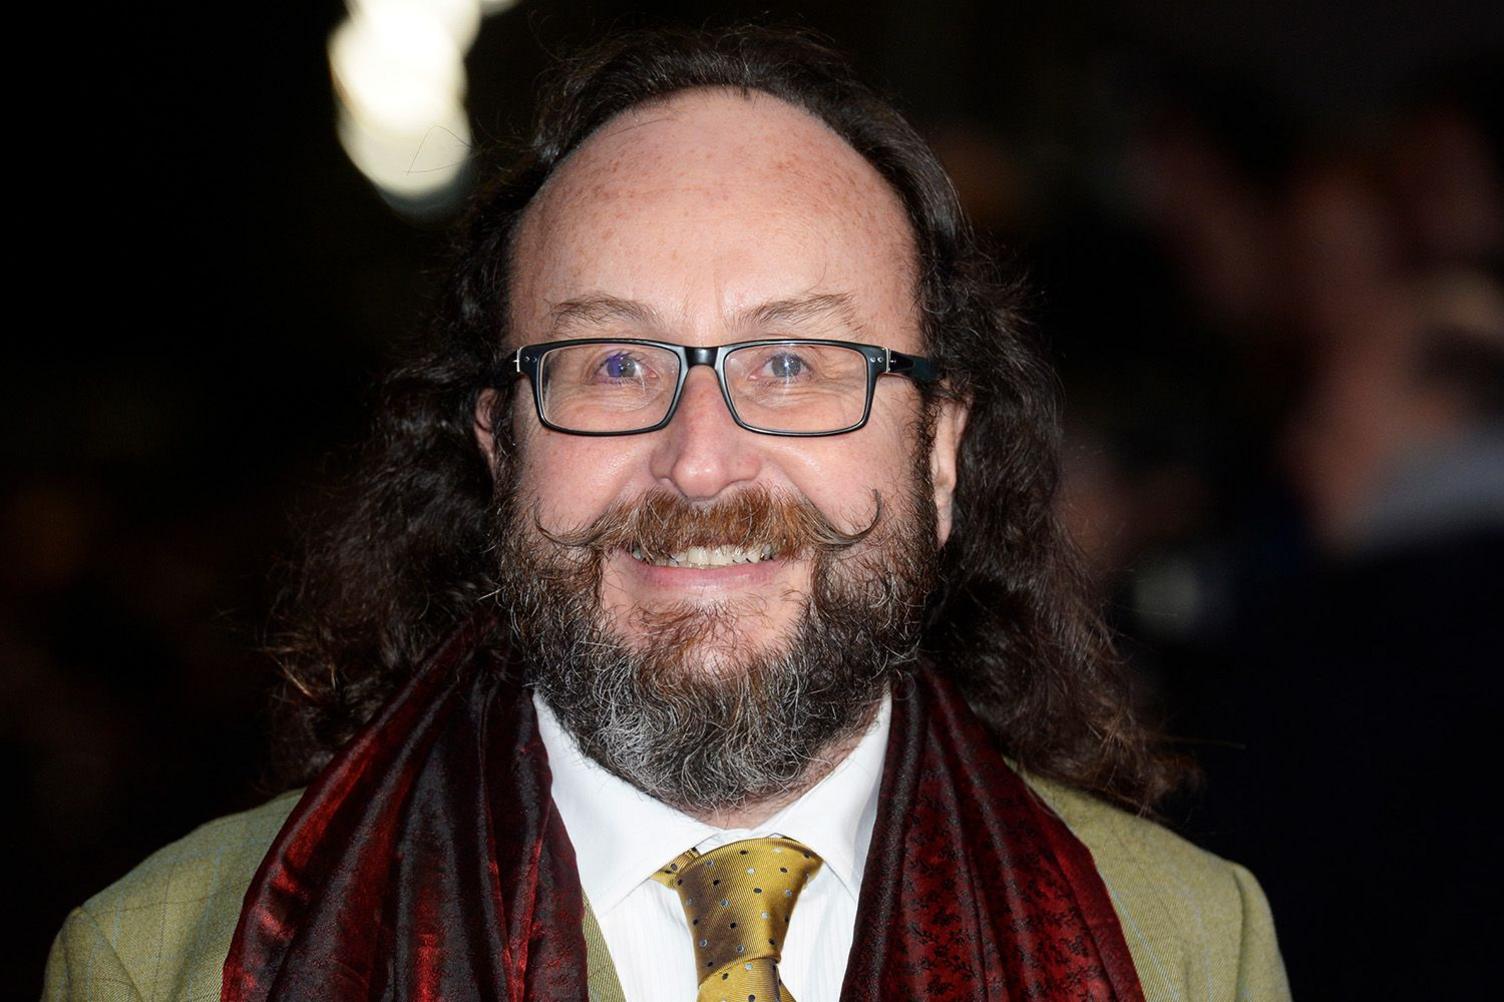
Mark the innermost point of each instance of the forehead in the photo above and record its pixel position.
(709, 205)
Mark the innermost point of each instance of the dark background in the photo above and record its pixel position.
(1240, 221)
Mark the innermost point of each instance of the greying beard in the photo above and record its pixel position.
(688, 716)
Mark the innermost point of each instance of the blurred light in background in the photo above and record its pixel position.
(399, 79)
(460, 19)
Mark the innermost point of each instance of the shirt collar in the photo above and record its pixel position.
(621, 835)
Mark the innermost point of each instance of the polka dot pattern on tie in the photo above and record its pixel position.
(737, 939)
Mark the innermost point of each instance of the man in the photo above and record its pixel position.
(703, 568)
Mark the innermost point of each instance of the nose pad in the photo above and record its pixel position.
(703, 450)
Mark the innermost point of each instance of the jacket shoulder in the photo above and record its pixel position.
(163, 930)
(1197, 925)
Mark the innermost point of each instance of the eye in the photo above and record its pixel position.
(622, 365)
(786, 365)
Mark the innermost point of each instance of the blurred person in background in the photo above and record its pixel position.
(1346, 703)
(1372, 691)
(1295, 503)
(566, 685)
(1400, 441)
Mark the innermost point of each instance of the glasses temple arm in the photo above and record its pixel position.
(919, 369)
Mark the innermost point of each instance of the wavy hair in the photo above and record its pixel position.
(403, 559)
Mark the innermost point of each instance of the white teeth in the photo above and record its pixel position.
(710, 556)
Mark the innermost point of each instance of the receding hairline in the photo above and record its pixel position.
(642, 111)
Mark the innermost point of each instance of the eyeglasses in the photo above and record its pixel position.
(797, 387)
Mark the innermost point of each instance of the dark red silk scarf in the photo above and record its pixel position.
(427, 862)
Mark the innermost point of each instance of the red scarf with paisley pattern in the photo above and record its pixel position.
(427, 862)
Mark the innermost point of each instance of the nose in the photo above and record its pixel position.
(702, 451)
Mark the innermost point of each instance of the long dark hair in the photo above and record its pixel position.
(406, 558)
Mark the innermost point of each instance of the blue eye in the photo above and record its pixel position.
(786, 366)
(622, 366)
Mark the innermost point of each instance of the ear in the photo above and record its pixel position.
(950, 425)
(485, 435)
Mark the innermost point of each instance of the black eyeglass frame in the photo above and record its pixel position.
(880, 362)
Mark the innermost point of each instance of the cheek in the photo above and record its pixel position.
(573, 479)
(840, 474)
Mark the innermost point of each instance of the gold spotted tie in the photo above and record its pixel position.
(738, 900)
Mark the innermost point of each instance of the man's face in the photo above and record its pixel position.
(714, 218)
(700, 213)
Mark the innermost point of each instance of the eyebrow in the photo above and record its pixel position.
(821, 309)
(805, 311)
(597, 311)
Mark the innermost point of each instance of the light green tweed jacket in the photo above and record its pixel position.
(1198, 927)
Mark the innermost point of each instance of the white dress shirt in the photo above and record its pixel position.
(622, 837)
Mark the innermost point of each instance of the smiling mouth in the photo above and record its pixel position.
(705, 556)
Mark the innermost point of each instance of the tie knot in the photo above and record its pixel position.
(778, 860)
(738, 899)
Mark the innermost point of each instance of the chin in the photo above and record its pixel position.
(717, 661)
(708, 639)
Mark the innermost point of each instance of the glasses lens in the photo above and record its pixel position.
(791, 386)
(607, 387)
